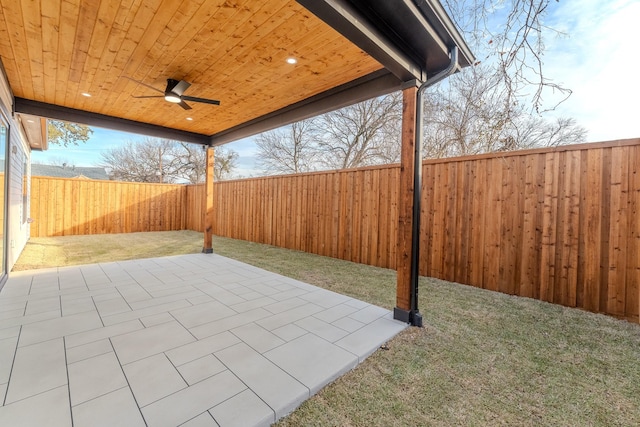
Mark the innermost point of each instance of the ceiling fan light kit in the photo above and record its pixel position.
(174, 93)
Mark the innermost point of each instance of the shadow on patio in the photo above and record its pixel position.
(199, 339)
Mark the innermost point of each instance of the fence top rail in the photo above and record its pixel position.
(105, 181)
(500, 154)
(543, 150)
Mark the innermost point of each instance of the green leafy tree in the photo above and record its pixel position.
(67, 133)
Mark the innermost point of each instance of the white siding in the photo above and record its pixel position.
(17, 230)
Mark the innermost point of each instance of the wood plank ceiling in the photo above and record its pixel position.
(236, 51)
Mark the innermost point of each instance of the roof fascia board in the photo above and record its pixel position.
(375, 84)
(349, 22)
(56, 112)
(449, 34)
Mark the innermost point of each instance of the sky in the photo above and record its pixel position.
(596, 57)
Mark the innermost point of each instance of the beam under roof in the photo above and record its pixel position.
(375, 84)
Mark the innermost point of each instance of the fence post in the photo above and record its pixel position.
(208, 204)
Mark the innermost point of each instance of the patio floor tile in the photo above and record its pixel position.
(199, 340)
(59, 327)
(336, 312)
(203, 420)
(244, 409)
(200, 314)
(153, 378)
(7, 351)
(94, 377)
(202, 347)
(366, 340)
(149, 341)
(36, 369)
(180, 407)
(257, 337)
(43, 305)
(312, 361)
(322, 329)
(274, 386)
(49, 409)
(214, 328)
(117, 408)
(290, 316)
(112, 306)
(144, 312)
(289, 332)
(87, 351)
(97, 334)
(201, 369)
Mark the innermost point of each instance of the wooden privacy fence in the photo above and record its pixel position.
(63, 207)
(561, 225)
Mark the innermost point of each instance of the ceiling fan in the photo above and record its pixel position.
(174, 93)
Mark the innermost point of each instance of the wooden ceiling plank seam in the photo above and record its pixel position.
(115, 47)
(32, 21)
(308, 42)
(199, 42)
(168, 43)
(230, 17)
(122, 86)
(197, 50)
(148, 38)
(266, 83)
(228, 79)
(50, 39)
(268, 78)
(234, 114)
(146, 27)
(9, 60)
(69, 14)
(97, 45)
(21, 82)
(220, 54)
(87, 20)
(116, 51)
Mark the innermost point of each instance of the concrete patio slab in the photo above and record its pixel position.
(194, 340)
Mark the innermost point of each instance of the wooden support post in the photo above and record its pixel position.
(405, 205)
(208, 204)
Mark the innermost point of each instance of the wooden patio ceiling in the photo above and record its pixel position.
(57, 52)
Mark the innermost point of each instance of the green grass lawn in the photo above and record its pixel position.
(482, 358)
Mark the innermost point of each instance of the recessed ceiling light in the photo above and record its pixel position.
(88, 95)
(30, 121)
(292, 61)
(190, 118)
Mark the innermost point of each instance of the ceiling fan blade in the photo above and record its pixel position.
(143, 84)
(203, 100)
(179, 88)
(148, 96)
(184, 105)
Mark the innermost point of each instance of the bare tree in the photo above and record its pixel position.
(472, 114)
(536, 132)
(290, 149)
(509, 34)
(362, 134)
(144, 161)
(162, 160)
(226, 161)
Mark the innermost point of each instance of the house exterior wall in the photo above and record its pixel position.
(18, 176)
(19, 182)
